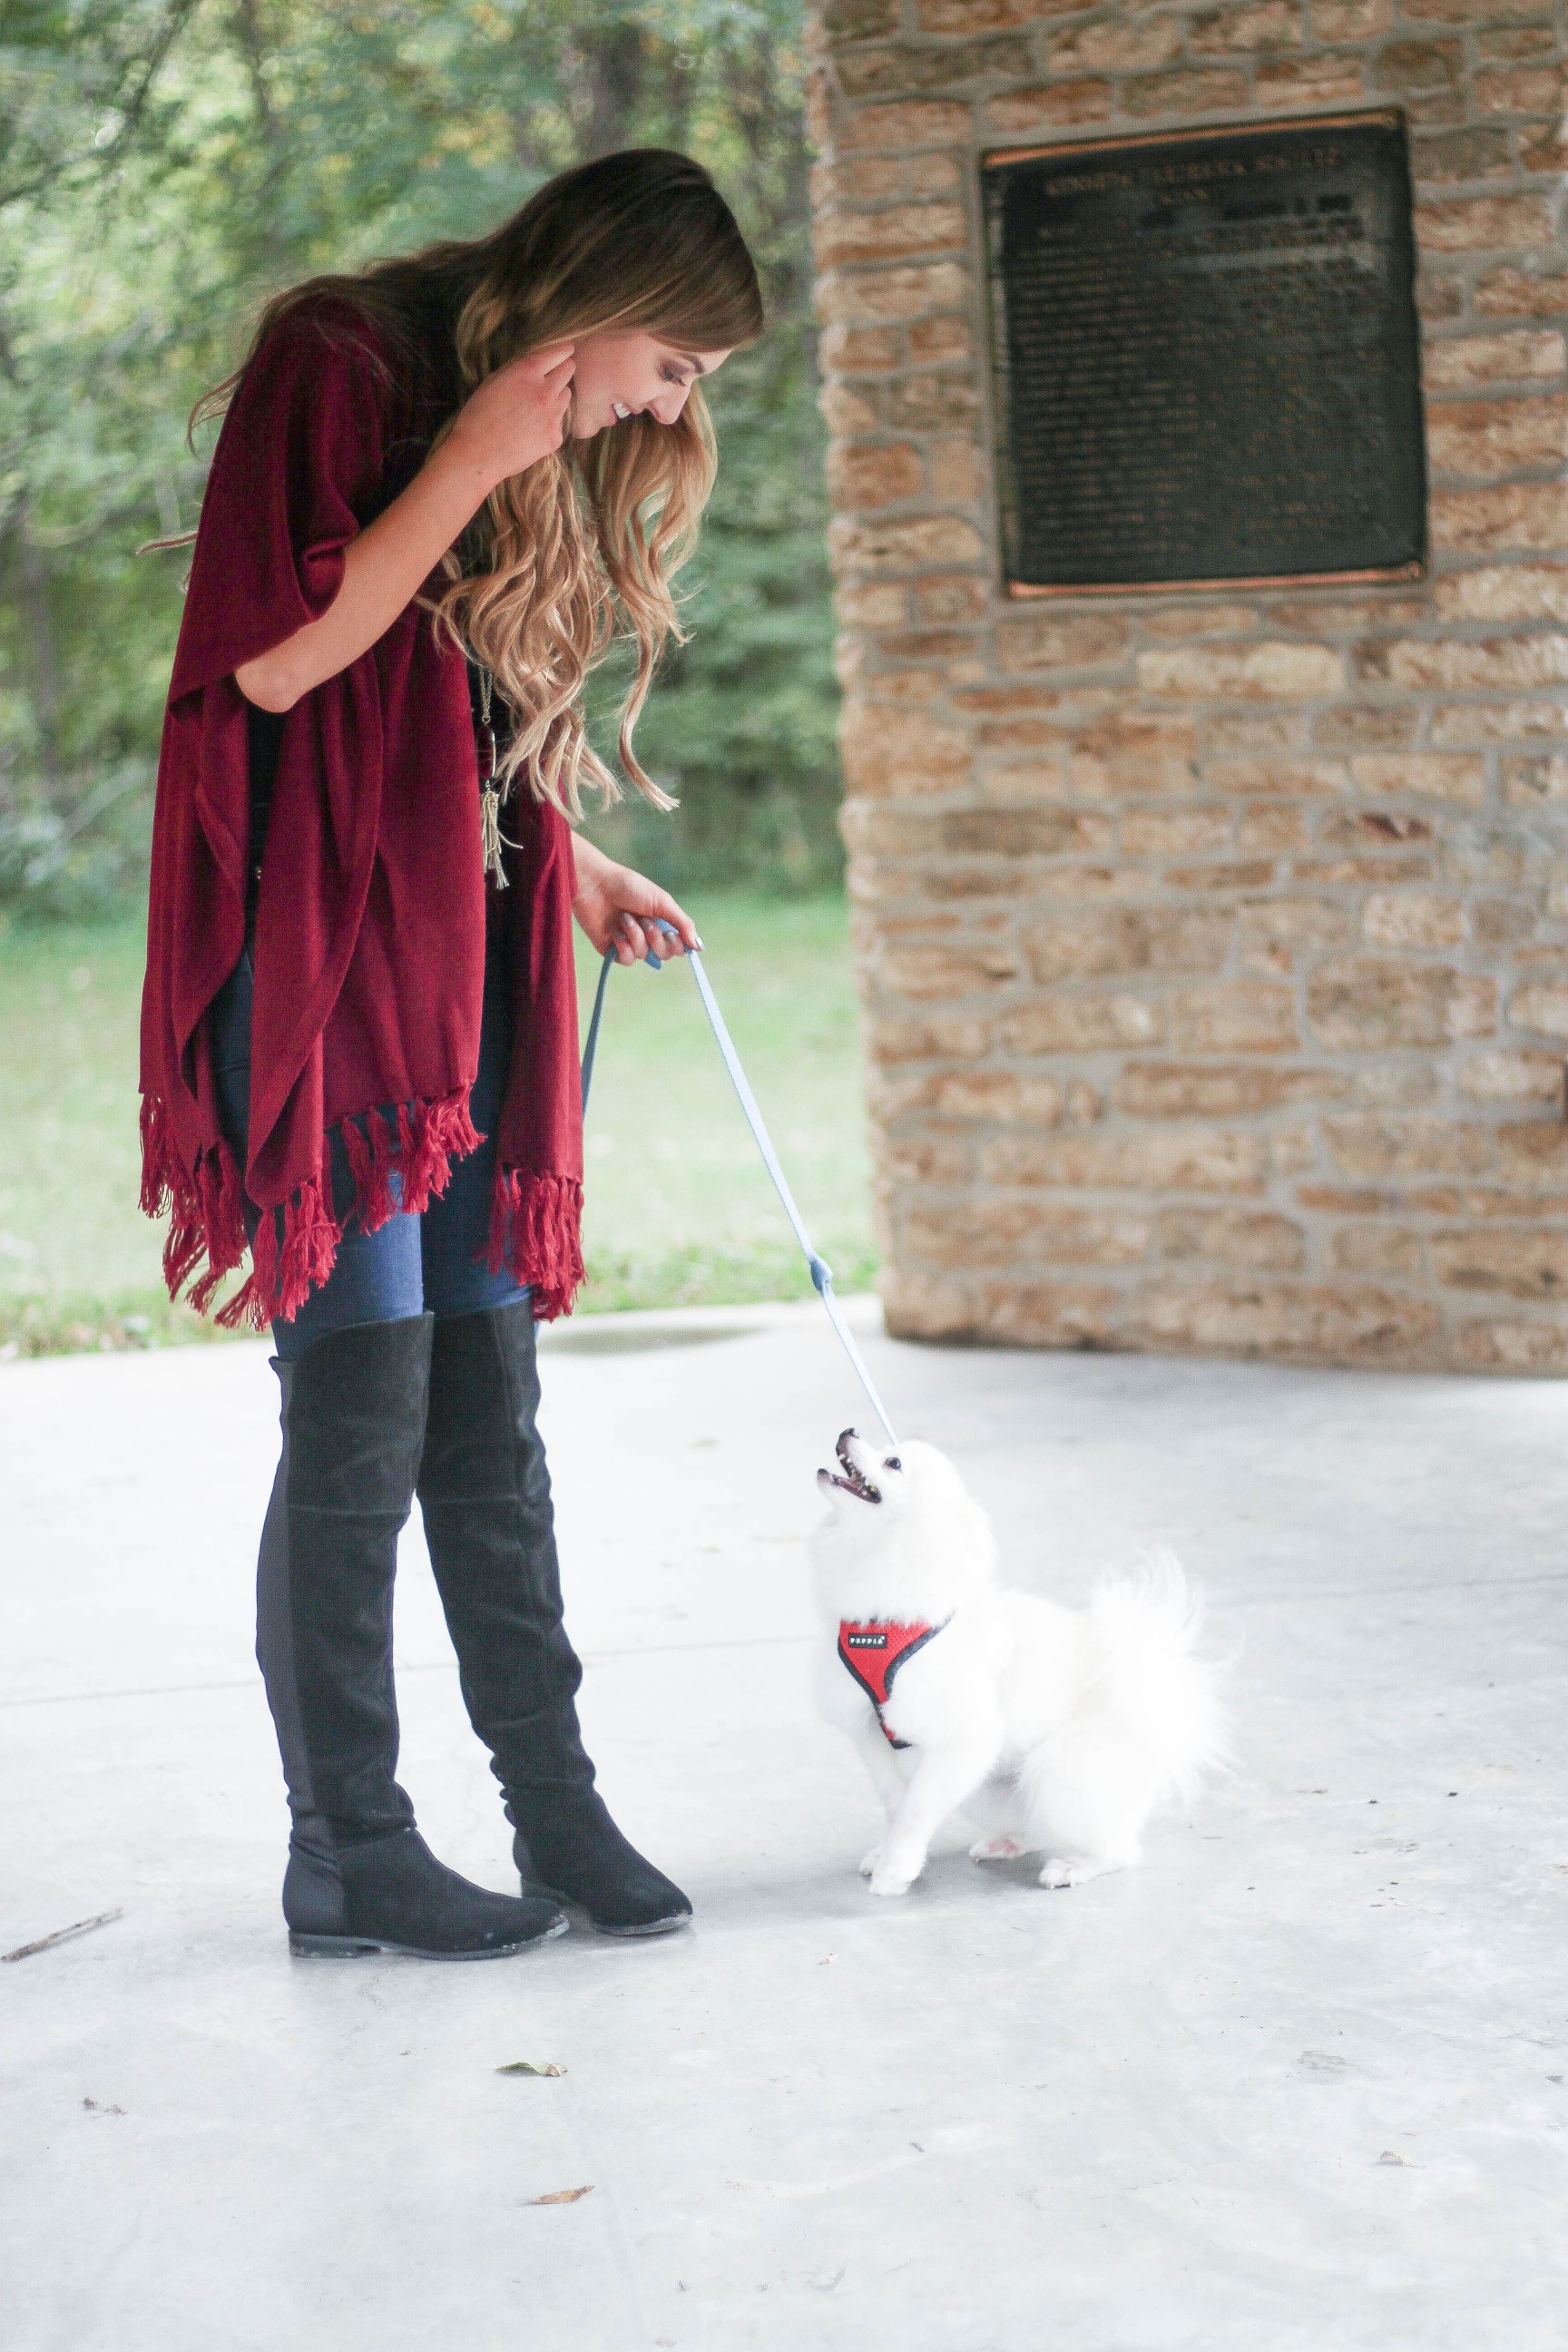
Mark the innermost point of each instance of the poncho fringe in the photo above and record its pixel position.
(536, 1221)
(534, 1230)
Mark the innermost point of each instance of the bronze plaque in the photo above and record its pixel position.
(1206, 358)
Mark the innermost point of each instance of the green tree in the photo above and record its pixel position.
(77, 97)
(164, 166)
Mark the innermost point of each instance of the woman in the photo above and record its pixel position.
(441, 488)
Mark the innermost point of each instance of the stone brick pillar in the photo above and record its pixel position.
(1213, 946)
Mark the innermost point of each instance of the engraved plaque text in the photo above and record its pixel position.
(1206, 358)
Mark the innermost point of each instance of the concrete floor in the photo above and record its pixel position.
(1297, 2083)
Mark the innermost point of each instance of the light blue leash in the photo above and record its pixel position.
(821, 1272)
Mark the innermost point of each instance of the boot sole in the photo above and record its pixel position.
(353, 1947)
(654, 1928)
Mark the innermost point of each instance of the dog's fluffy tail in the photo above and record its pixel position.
(1147, 1626)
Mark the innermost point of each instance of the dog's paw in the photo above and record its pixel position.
(1074, 1870)
(887, 1880)
(998, 1849)
(872, 1861)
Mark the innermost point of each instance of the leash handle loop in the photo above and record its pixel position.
(592, 1048)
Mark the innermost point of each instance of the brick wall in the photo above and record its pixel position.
(1214, 947)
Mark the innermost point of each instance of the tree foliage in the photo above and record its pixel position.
(164, 164)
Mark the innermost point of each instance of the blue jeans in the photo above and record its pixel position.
(431, 1264)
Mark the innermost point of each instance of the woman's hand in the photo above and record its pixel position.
(516, 417)
(616, 907)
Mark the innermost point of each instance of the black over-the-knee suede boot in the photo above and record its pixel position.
(360, 1876)
(484, 1494)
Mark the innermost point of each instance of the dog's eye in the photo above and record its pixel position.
(892, 1463)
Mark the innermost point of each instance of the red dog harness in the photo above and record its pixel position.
(874, 1649)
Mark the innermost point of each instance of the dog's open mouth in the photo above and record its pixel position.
(852, 1482)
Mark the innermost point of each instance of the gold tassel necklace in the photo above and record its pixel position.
(493, 840)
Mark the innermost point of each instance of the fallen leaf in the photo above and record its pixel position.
(77, 1928)
(1388, 2157)
(527, 2067)
(561, 2196)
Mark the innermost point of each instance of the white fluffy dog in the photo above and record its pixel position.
(1056, 1730)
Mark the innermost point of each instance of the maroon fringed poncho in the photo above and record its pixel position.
(369, 947)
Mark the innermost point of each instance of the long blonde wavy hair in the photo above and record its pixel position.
(585, 545)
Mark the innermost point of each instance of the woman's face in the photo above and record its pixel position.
(616, 376)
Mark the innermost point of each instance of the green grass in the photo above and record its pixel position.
(679, 1211)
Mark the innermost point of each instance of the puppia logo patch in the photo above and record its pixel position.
(867, 1641)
